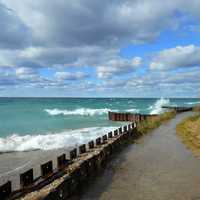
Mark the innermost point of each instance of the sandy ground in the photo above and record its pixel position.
(159, 167)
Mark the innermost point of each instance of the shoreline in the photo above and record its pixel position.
(129, 132)
(12, 164)
(127, 135)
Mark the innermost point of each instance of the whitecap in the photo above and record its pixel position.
(66, 139)
(79, 111)
(156, 108)
(192, 103)
(133, 110)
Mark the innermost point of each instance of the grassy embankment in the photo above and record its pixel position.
(150, 124)
(189, 132)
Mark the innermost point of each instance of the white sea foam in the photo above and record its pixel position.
(133, 110)
(69, 138)
(192, 103)
(79, 111)
(157, 107)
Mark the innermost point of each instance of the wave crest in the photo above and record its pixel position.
(49, 141)
(156, 108)
(79, 111)
(133, 110)
(191, 103)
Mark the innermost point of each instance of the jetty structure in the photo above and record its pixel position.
(178, 109)
(80, 166)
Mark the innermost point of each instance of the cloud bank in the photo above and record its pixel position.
(59, 44)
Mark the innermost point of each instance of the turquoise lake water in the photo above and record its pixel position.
(46, 123)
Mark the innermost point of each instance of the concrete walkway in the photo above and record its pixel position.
(159, 167)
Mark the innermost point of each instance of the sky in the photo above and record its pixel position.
(92, 48)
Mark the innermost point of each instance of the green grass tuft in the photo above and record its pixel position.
(155, 122)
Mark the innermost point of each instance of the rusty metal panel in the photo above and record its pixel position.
(47, 168)
(118, 116)
(26, 178)
(73, 154)
(5, 190)
(127, 116)
(82, 148)
(124, 117)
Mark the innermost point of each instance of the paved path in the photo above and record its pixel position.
(159, 167)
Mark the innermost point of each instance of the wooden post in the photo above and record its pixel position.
(110, 135)
(46, 169)
(104, 138)
(26, 178)
(98, 141)
(5, 190)
(62, 162)
(125, 128)
(129, 127)
(91, 144)
(115, 132)
(73, 154)
(82, 149)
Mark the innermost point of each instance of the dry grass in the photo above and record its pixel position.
(196, 108)
(155, 122)
(189, 132)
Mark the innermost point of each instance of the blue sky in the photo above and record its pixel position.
(125, 48)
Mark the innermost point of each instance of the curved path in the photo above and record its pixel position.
(159, 167)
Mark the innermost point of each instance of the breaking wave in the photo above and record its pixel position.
(80, 111)
(156, 108)
(133, 110)
(192, 103)
(50, 141)
(86, 111)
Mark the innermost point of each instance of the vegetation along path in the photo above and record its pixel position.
(158, 167)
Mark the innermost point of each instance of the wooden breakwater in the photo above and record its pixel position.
(137, 117)
(129, 117)
(66, 179)
(178, 109)
(71, 174)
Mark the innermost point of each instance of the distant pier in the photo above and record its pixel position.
(178, 109)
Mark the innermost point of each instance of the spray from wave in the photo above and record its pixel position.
(50, 141)
(156, 108)
(80, 111)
